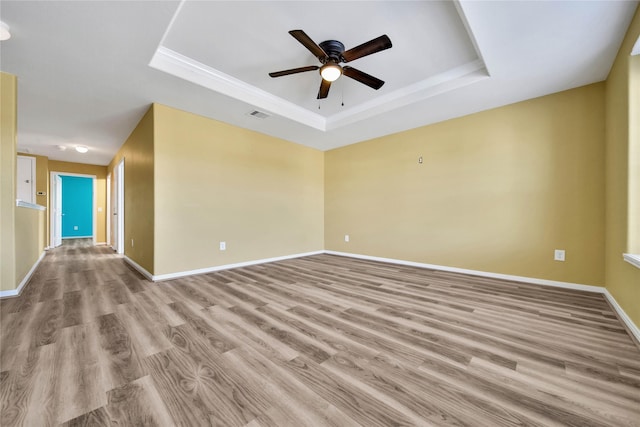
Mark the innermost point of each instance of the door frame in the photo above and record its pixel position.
(54, 204)
(56, 218)
(117, 216)
(108, 211)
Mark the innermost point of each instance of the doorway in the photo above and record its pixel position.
(73, 215)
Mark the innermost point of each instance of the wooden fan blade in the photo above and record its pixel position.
(372, 46)
(306, 41)
(293, 71)
(363, 77)
(324, 89)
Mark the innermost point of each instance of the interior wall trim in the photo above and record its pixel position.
(631, 327)
(16, 292)
(626, 320)
(94, 207)
(632, 259)
(535, 281)
(179, 274)
(140, 268)
(23, 204)
(178, 65)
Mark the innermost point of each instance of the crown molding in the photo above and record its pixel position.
(178, 65)
(449, 80)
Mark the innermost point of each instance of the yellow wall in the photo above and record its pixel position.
(30, 239)
(101, 187)
(22, 230)
(622, 279)
(8, 129)
(137, 152)
(215, 182)
(498, 191)
(633, 244)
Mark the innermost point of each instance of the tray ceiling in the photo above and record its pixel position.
(88, 70)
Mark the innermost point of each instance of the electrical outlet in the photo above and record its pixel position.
(558, 255)
(131, 242)
(75, 227)
(223, 246)
(346, 237)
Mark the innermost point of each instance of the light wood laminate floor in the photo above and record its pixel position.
(315, 341)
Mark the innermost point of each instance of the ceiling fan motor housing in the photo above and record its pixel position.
(333, 49)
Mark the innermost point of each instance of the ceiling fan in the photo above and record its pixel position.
(331, 53)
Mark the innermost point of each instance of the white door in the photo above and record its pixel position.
(57, 212)
(26, 179)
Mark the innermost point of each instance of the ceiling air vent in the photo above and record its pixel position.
(258, 114)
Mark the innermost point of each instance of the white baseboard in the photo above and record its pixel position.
(632, 259)
(16, 292)
(138, 267)
(633, 329)
(100, 243)
(169, 276)
(568, 285)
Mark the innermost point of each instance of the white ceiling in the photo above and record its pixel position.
(88, 70)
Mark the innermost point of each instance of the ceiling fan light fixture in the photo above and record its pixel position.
(330, 72)
(5, 34)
